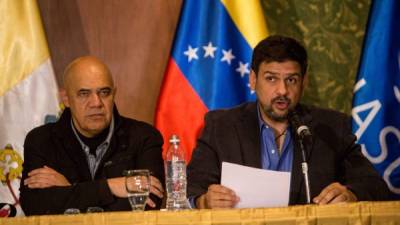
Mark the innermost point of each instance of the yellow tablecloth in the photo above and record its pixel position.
(351, 213)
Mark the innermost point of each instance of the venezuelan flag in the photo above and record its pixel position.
(209, 65)
(28, 91)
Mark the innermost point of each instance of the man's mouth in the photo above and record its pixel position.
(96, 115)
(281, 103)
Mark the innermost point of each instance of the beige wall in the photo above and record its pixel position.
(133, 37)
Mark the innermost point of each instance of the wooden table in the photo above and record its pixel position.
(346, 213)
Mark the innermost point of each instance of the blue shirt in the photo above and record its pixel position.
(271, 159)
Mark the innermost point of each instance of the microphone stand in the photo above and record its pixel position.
(304, 135)
(304, 169)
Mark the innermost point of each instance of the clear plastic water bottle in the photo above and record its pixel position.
(175, 176)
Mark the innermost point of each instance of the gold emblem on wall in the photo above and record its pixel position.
(10, 164)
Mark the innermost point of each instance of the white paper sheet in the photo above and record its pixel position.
(256, 187)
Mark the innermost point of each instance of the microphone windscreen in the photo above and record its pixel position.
(298, 125)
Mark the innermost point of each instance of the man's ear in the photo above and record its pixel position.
(64, 97)
(252, 80)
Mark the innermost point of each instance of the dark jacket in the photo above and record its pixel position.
(233, 135)
(134, 145)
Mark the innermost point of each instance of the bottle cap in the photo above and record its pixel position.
(174, 139)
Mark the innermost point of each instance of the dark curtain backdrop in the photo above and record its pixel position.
(134, 38)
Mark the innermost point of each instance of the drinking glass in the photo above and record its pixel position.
(94, 209)
(71, 211)
(137, 183)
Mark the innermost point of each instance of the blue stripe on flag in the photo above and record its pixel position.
(217, 82)
(376, 103)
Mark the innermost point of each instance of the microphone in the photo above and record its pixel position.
(305, 137)
(301, 129)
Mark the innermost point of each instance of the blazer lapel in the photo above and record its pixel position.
(296, 180)
(119, 142)
(249, 136)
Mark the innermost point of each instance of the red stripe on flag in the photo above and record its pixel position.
(180, 110)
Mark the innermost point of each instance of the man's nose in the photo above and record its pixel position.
(282, 88)
(95, 100)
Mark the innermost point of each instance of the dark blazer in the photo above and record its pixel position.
(134, 145)
(233, 135)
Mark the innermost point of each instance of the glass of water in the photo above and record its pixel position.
(137, 183)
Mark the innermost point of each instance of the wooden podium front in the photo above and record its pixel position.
(345, 213)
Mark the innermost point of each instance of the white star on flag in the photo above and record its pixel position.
(228, 56)
(209, 50)
(191, 53)
(251, 90)
(242, 69)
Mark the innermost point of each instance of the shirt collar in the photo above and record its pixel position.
(261, 122)
(106, 142)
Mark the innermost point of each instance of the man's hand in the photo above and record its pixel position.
(45, 177)
(335, 193)
(217, 196)
(117, 187)
(156, 188)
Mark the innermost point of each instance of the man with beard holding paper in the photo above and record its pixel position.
(259, 134)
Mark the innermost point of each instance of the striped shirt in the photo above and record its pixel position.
(94, 160)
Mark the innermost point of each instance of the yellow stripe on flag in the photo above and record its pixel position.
(28, 89)
(23, 44)
(249, 19)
